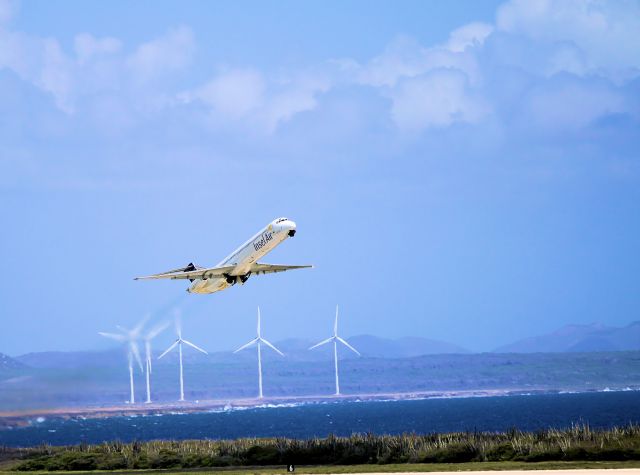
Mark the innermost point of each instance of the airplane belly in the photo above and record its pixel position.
(208, 286)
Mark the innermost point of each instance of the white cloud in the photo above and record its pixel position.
(168, 53)
(233, 94)
(570, 104)
(294, 96)
(437, 99)
(40, 62)
(56, 75)
(463, 80)
(245, 94)
(97, 67)
(472, 34)
(87, 46)
(605, 31)
(405, 58)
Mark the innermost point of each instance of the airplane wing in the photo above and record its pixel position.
(208, 273)
(259, 268)
(205, 273)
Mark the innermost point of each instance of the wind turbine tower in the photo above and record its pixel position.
(335, 339)
(259, 340)
(154, 332)
(129, 337)
(179, 343)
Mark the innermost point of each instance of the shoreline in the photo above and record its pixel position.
(23, 418)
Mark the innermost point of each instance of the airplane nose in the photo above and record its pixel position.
(291, 226)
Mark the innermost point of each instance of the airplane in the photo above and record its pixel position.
(239, 265)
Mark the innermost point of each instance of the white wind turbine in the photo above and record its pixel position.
(335, 339)
(129, 337)
(154, 332)
(179, 343)
(259, 340)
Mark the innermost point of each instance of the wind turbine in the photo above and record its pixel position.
(259, 340)
(129, 337)
(179, 343)
(335, 339)
(154, 332)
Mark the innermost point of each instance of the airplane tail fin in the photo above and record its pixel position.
(191, 266)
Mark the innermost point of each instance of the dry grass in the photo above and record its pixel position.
(577, 443)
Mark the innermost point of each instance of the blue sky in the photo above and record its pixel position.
(466, 171)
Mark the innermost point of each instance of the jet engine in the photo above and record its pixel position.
(237, 279)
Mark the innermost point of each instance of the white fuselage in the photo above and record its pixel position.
(246, 255)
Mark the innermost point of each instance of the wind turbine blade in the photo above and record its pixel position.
(123, 329)
(335, 324)
(138, 328)
(258, 332)
(194, 347)
(344, 342)
(247, 345)
(178, 323)
(136, 352)
(114, 336)
(323, 342)
(155, 331)
(271, 346)
(175, 343)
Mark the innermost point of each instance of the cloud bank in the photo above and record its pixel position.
(543, 69)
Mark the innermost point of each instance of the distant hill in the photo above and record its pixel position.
(72, 359)
(570, 338)
(372, 346)
(405, 347)
(579, 338)
(294, 348)
(8, 363)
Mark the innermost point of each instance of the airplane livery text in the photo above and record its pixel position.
(266, 237)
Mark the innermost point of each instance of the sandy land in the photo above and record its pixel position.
(24, 417)
(587, 471)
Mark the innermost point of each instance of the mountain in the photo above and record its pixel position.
(406, 347)
(371, 346)
(8, 363)
(579, 338)
(294, 348)
(72, 359)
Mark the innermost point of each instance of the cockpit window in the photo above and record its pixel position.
(281, 220)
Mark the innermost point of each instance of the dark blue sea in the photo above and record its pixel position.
(598, 409)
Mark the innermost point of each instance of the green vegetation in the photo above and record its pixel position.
(578, 444)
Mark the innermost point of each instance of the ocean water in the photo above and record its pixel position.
(600, 410)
